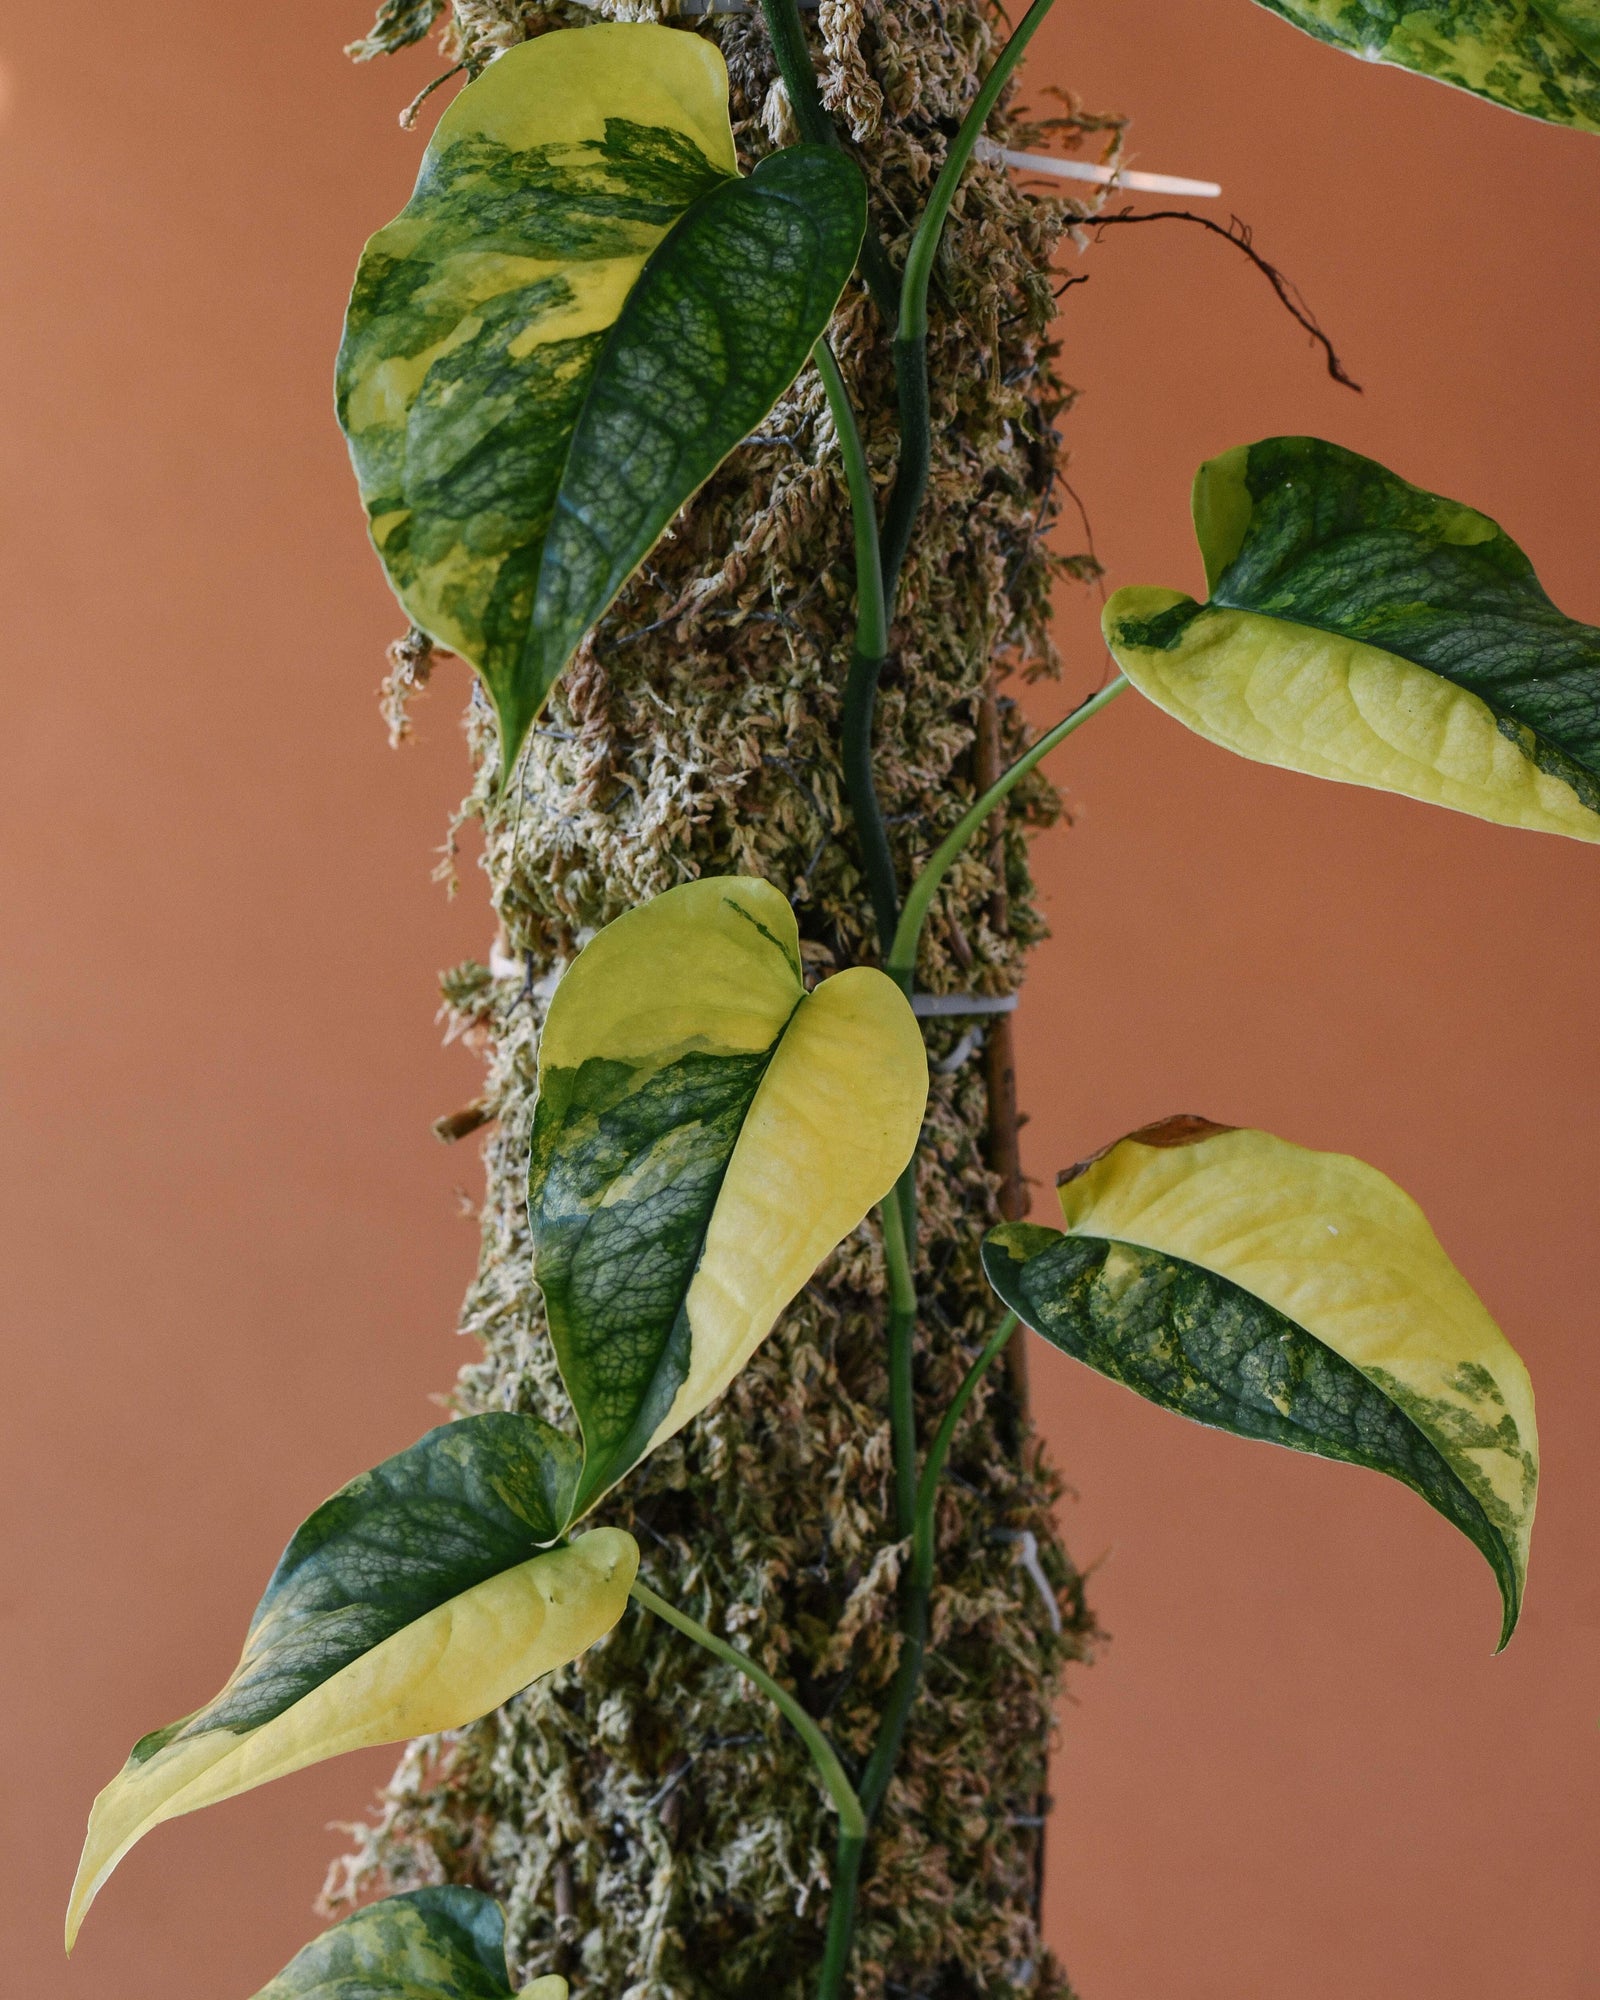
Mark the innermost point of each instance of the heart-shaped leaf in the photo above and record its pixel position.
(1363, 629)
(416, 1599)
(576, 317)
(706, 1132)
(427, 1944)
(1541, 57)
(1293, 1296)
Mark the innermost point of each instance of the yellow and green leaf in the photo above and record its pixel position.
(580, 312)
(1578, 20)
(420, 1597)
(706, 1132)
(1293, 1296)
(1362, 629)
(426, 1944)
(1541, 57)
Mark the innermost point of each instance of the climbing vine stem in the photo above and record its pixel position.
(866, 657)
(902, 962)
(911, 327)
(847, 1804)
(846, 1801)
(886, 1751)
(899, 1254)
(933, 1470)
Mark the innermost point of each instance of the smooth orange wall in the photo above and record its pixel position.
(233, 1252)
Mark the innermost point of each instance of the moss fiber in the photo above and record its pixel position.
(654, 1828)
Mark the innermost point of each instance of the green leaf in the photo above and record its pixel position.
(1541, 57)
(1363, 629)
(427, 1944)
(721, 322)
(706, 1132)
(1578, 20)
(420, 1597)
(1292, 1296)
(575, 318)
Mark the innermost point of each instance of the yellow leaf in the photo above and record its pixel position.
(833, 1125)
(446, 1669)
(713, 965)
(706, 1133)
(1314, 701)
(1337, 1248)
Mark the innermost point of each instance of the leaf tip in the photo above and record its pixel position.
(1221, 505)
(1510, 1610)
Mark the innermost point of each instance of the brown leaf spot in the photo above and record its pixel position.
(1184, 1128)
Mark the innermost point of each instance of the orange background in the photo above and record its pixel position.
(233, 1252)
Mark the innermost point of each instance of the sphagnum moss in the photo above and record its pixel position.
(654, 1828)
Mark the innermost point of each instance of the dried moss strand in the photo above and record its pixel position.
(852, 1820)
(902, 961)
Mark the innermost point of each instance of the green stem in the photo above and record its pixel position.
(852, 1819)
(918, 1591)
(872, 611)
(939, 1451)
(898, 1254)
(788, 37)
(916, 456)
(866, 658)
(911, 328)
(914, 1599)
(844, 1888)
(925, 242)
(861, 792)
(902, 960)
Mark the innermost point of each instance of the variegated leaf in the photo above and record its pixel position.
(578, 314)
(1363, 629)
(1541, 57)
(427, 1944)
(706, 1132)
(420, 1597)
(1578, 20)
(1293, 1296)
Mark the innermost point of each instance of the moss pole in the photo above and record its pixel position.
(654, 1826)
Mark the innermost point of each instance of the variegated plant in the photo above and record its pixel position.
(707, 1132)
(583, 308)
